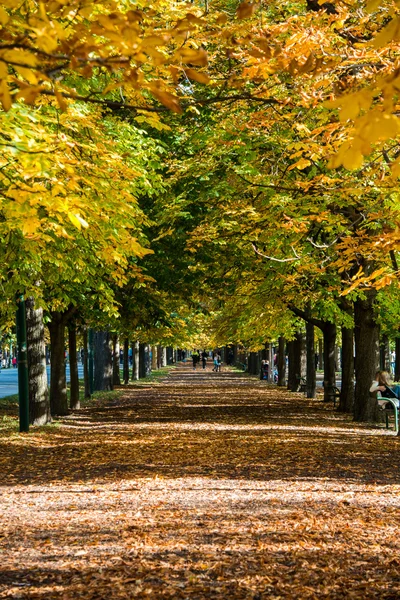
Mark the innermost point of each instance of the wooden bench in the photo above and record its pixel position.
(395, 403)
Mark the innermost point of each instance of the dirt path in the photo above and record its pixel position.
(203, 486)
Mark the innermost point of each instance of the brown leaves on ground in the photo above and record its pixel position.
(204, 486)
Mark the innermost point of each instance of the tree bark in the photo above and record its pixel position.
(74, 402)
(126, 361)
(292, 381)
(311, 378)
(58, 380)
(154, 358)
(142, 360)
(39, 400)
(346, 401)
(115, 360)
(320, 354)
(281, 362)
(384, 351)
(102, 361)
(366, 332)
(329, 332)
(298, 346)
(86, 363)
(397, 359)
(135, 361)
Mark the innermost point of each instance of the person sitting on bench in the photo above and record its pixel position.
(383, 385)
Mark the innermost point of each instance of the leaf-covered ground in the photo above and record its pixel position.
(205, 485)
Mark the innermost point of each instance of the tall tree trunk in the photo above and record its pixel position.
(86, 363)
(58, 380)
(366, 332)
(329, 332)
(135, 361)
(384, 351)
(320, 354)
(397, 360)
(281, 362)
(39, 400)
(298, 347)
(116, 360)
(74, 402)
(346, 401)
(142, 360)
(310, 374)
(154, 357)
(126, 361)
(102, 361)
(292, 381)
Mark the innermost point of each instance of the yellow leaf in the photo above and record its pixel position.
(30, 226)
(5, 97)
(61, 101)
(3, 70)
(194, 57)
(389, 34)
(3, 16)
(77, 221)
(221, 19)
(372, 5)
(196, 76)
(27, 74)
(352, 159)
(168, 99)
(300, 164)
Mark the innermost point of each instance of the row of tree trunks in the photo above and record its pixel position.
(43, 404)
(39, 404)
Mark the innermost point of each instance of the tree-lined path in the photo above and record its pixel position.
(206, 485)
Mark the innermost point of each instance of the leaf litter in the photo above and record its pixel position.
(206, 485)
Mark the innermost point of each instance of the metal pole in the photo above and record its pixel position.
(23, 386)
(91, 361)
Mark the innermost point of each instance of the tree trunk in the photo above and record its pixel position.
(298, 346)
(346, 401)
(39, 401)
(86, 363)
(126, 361)
(366, 332)
(384, 351)
(292, 381)
(115, 360)
(142, 360)
(58, 380)
(102, 361)
(154, 358)
(329, 331)
(320, 354)
(281, 362)
(74, 403)
(135, 361)
(310, 353)
(397, 360)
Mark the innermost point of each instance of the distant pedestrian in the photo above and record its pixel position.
(14, 362)
(217, 362)
(204, 358)
(195, 359)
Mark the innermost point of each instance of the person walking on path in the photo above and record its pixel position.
(195, 359)
(204, 358)
(217, 362)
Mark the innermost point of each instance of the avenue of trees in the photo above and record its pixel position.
(216, 172)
